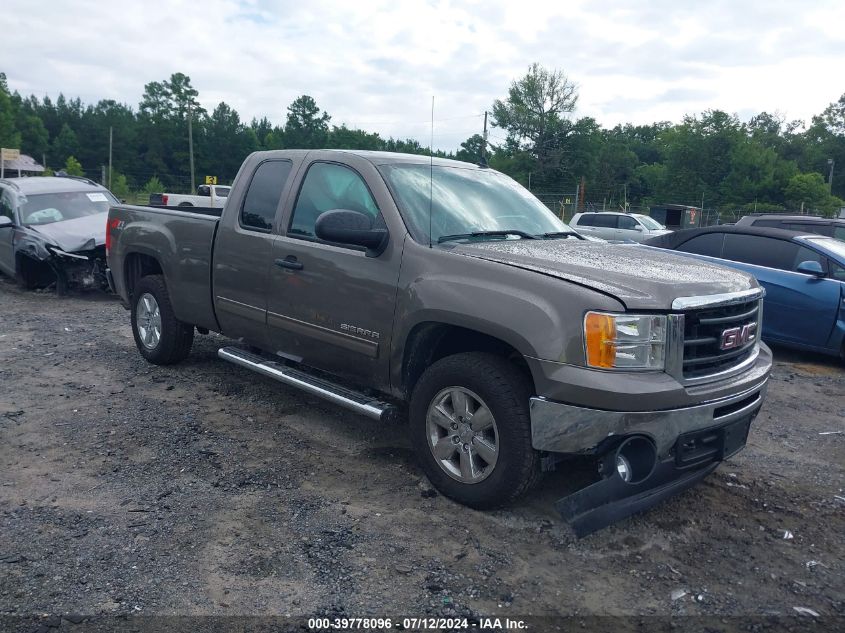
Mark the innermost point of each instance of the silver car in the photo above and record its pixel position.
(612, 225)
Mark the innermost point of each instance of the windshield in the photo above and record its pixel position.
(46, 208)
(650, 223)
(465, 201)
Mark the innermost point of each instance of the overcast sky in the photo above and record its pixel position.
(376, 65)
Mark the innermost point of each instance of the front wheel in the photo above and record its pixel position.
(160, 337)
(471, 429)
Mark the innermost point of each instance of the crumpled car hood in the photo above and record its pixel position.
(641, 277)
(75, 235)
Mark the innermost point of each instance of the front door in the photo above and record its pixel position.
(243, 253)
(331, 306)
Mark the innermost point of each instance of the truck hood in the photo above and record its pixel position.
(641, 277)
(79, 234)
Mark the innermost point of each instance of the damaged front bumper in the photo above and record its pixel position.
(43, 265)
(81, 270)
(644, 456)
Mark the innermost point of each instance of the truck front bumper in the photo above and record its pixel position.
(563, 428)
(662, 452)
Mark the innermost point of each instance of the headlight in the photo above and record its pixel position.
(625, 341)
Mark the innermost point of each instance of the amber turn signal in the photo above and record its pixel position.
(600, 336)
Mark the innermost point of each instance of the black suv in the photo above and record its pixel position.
(831, 227)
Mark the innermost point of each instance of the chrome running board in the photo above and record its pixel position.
(317, 386)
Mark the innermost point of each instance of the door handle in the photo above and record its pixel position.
(289, 262)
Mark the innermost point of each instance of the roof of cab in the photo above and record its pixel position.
(377, 158)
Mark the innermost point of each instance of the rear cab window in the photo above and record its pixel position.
(263, 195)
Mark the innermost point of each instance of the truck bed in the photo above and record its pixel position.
(181, 242)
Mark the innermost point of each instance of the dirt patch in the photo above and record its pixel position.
(205, 489)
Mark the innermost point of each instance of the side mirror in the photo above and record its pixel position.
(5, 221)
(343, 226)
(639, 228)
(811, 268)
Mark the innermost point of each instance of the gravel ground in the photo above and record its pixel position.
(205, 489)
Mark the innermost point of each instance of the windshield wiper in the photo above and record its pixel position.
(563, 234)
(466, 236)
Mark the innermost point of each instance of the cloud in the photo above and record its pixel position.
(377, 63)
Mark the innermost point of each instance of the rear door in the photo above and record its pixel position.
(798, 308)
(331, 306)
(243, 252)
(605, 225)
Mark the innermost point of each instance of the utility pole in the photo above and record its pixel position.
(191, 147)
(830, 162)
(110, 154)
(484, 142)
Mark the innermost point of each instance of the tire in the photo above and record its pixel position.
(152, 309)
(502, 389)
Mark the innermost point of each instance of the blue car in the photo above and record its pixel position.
(803, 274)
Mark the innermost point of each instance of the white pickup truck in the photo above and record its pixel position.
(206, 196)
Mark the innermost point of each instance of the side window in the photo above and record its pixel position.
(6, 208)
(804, 254)
(587, 220)
(605, 221)
(707, 244)
(835, 270)
(262, 197)
(627, 223)
(760, 251)
(328, 186)
(806, 227)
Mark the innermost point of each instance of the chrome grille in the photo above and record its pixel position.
(703, 333)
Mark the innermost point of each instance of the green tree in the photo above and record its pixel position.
(119, 186)
(9, 135)
(232, 142)
(810, 192)
(73, 167)
(346, 138)
(533, 115)
(64, 145)
(471, 149)
(306, 127)
(535, 104)
(153, 185)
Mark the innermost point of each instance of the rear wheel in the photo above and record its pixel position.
(160, 337)
(471, 429)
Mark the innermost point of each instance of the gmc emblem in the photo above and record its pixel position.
(738, 336)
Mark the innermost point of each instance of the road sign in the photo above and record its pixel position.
(211, 180)
(9, 154)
